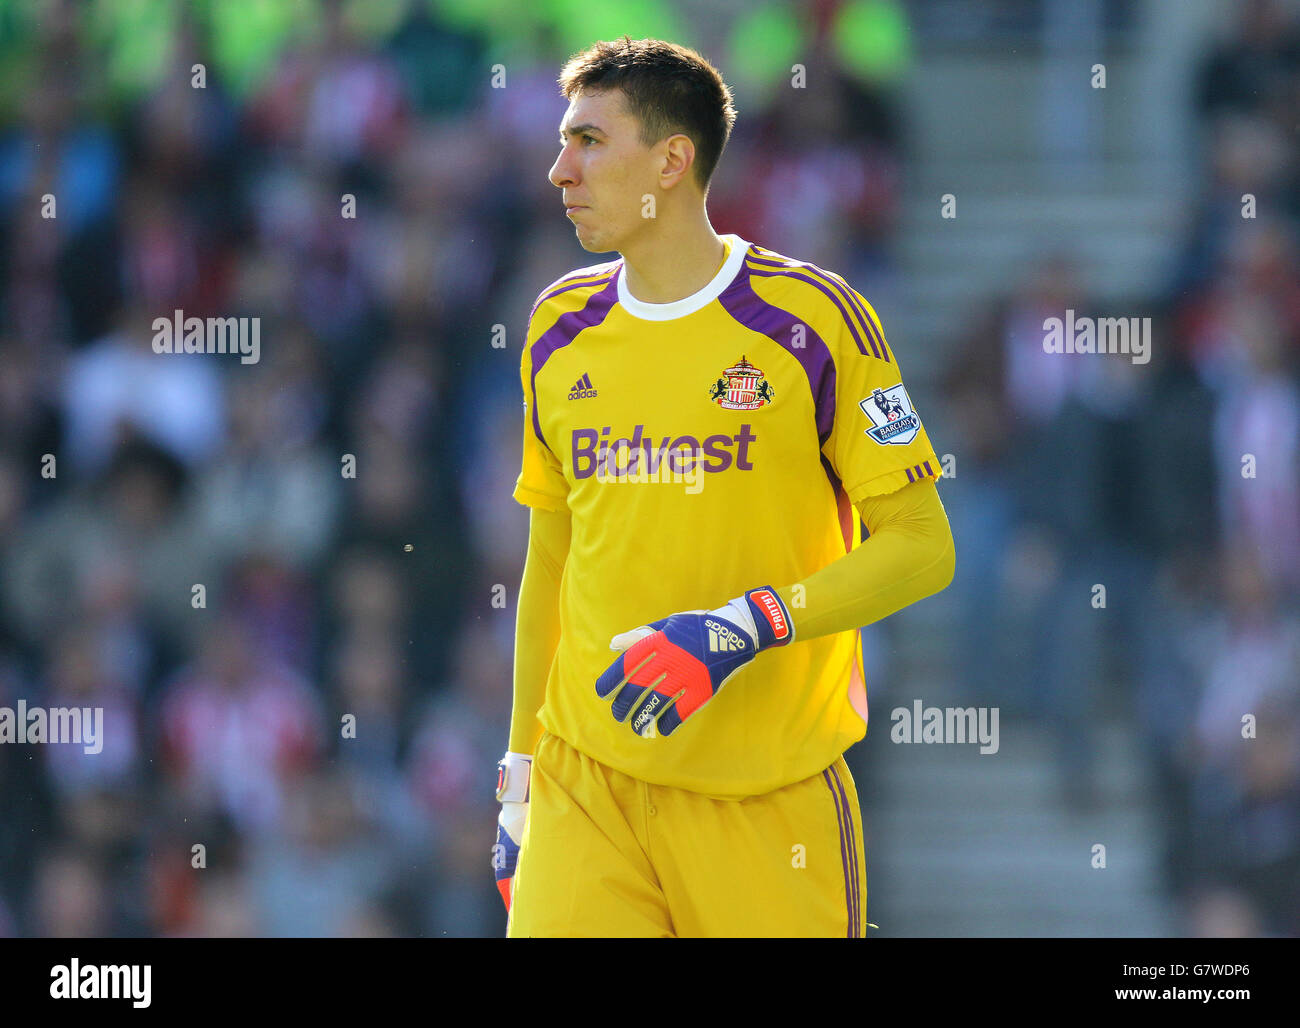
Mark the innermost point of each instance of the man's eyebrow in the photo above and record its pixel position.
(577, 130)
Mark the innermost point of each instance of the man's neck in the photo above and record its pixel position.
(665, 269)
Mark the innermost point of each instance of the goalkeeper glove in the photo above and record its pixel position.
(513, 773)
(673, 666)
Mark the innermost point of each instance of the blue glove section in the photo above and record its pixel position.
(672, 667)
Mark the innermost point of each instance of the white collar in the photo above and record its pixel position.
(691, 304)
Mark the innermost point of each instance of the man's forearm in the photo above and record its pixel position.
(537, 625)
(908, 556)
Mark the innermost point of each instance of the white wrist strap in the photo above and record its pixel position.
(513, 777)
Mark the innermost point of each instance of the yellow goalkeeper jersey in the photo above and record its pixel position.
(702, 448)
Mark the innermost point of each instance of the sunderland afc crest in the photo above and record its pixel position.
(741, 387)
(891, 415)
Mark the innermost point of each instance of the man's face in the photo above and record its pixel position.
(604, 170)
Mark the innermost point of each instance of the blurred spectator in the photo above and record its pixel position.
(313, 878)
(131, 518)
(239, 729)
(70, 899)
(1255, 71)
(119, 384)
(1257, 436)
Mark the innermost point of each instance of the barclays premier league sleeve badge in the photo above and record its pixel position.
(891, 416)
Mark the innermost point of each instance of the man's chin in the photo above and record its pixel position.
(592, 246)
(592, 243)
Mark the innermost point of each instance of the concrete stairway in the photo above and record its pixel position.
(964, 844)
(1040, 161)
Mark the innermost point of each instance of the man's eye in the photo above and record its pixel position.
(588, 139)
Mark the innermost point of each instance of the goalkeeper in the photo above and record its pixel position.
(707, 424)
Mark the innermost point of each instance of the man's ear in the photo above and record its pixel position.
(680, 167)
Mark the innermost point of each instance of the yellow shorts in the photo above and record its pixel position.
(606, 855)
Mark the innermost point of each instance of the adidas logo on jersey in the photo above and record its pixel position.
(582, 389)
(722, 638)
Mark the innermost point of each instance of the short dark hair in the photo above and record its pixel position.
(668, 88)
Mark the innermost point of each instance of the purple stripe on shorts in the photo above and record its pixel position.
(747, 307)
(565, 330)
(853, 846)
(844, 859)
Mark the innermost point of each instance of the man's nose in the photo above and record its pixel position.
(561, 174)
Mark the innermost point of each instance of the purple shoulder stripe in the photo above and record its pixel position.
(747, 307)
(564, 331)
(834, 287)
(576, 280)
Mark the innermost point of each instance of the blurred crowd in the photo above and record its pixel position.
(1176, 486)
(289, 584)
(322, 718)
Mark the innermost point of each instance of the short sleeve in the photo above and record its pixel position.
(877, 443)
(541, 481)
